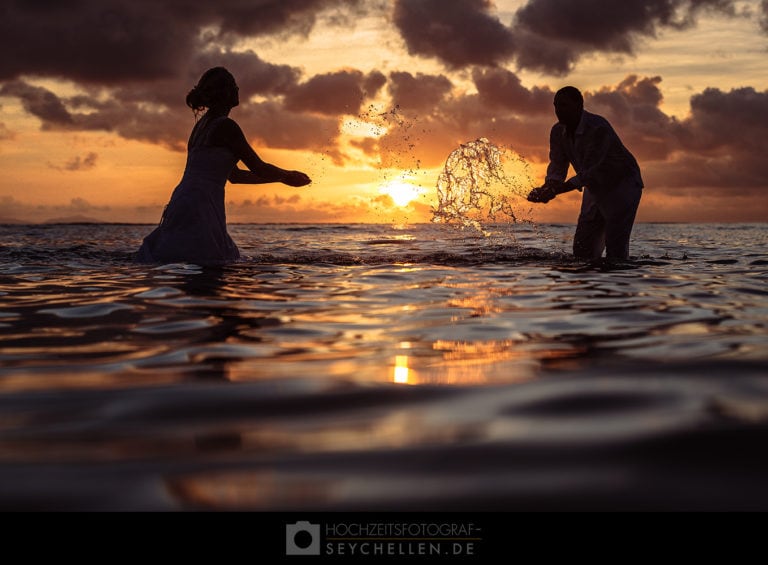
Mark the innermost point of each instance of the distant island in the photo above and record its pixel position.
(62, 220)
(74, 220)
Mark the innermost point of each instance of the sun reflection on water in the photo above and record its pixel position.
(401, 372)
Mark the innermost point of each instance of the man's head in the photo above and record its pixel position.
(569, 104)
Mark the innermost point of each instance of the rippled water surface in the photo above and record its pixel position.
(384, 367)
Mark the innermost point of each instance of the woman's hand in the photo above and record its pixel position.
(296, 178)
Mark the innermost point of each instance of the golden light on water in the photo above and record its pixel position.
(401, 372)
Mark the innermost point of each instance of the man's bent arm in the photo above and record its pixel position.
(594, 156)
(558, 161)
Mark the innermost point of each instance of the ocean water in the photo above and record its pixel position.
(382, 367)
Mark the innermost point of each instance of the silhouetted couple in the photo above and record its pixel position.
(605, 170)
(193, 226)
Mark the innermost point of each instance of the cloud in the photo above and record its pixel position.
(93, 41)
(374, 208)
(270, 124)
(81, 205)
(131, 118)
(738, 118)
(77, 163)
(14, 209)
(458, 33)
(633, 108)
(119, 41)
(554, 34)
(545, 35)
(368, 145)
(253, 75)
(39, 102)
(720, 144)
(502, 88)
(423, 134)
(418, 92)
(334, 94)
(297, 208)
(134, 62)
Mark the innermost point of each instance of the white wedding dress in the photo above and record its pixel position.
(193, 227)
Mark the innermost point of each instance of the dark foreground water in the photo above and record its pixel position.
(377, 367)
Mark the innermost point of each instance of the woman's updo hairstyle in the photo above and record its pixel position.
(213, 89)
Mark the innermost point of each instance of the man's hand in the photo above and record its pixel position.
(558, 186)
(542, 194)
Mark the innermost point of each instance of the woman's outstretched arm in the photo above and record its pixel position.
(268, 173)
(230, 135)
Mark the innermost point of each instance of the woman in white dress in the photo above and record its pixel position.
(193, 227)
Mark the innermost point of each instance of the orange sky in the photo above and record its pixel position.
(93, 121)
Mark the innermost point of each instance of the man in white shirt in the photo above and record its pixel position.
(605, 170)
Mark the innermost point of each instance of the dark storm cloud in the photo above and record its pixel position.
(721, 143)
(154, 111)
(417, 92)
(502, 88)
(738, 118)
(633, 108)
(333, 94)
(459, 32)
(554, 34)
(133, 61)
(92, 41)
(545, 35)
(39, 102)
(131, 120)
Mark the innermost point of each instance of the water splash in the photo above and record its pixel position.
(482, 182)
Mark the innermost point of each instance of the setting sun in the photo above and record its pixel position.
(402, 193)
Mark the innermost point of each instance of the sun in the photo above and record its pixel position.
(402, 193)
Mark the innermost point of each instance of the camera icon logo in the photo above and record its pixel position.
(302, 538)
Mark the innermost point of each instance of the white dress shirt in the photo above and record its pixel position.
(598, 156)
